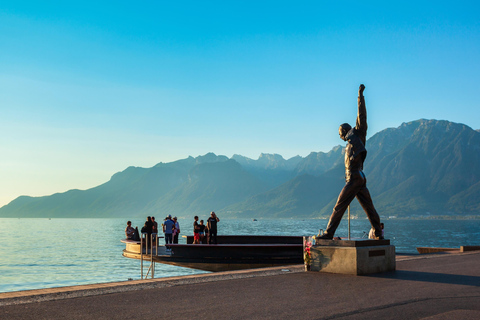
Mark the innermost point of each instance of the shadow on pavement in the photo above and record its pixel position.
(430, 277)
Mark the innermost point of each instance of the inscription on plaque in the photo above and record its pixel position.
(376, 253)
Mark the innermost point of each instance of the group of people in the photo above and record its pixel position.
(210, 230)
(170, 227)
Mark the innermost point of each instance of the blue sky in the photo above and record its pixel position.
(89, 88)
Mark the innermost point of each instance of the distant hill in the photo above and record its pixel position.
(434, 168)
(421, 166)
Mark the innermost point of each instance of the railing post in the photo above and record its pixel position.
(152, 264)
(141, 256)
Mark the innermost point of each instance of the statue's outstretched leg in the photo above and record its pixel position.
(346, 196)
(363, 196)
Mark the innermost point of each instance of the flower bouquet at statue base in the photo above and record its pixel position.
(308, 242)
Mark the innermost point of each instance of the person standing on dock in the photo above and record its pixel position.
(148, 228)
(168, 227)
(212, 228)
(176, 230)
(196, 228)
(155, 228)
(356, 182)
(201, 231)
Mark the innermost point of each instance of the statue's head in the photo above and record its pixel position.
(343, 130)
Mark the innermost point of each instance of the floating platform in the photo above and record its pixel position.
(231, 253)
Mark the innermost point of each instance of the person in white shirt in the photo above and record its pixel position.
(129, 231)
(176, 231)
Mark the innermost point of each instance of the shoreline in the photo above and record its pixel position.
(70, 292)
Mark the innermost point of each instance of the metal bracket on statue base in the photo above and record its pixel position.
(352, 256)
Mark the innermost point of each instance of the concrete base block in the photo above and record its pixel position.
(353, 260)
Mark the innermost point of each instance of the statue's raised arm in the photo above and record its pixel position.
(361, 124)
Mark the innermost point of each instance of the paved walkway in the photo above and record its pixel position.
(436, 287)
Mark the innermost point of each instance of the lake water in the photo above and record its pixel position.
(43, 253)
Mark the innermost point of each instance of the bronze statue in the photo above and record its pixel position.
(356, 182)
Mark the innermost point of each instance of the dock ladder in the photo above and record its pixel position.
(149, 245)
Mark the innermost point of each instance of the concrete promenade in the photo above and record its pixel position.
(443, 286)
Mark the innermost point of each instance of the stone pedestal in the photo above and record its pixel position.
(352, 256)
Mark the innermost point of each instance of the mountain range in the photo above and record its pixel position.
(421, 167)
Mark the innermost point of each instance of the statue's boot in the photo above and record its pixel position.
(324, 236)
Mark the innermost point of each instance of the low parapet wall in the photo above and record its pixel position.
(469, 248)
(424, 250)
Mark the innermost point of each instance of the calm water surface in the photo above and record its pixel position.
(43, 253)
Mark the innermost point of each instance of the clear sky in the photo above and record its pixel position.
(88, 88)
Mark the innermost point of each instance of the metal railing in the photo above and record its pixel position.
(149, 244)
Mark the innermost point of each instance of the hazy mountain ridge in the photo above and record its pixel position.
(316, 163)
(421, 166)
(210, 183)
(268, 162)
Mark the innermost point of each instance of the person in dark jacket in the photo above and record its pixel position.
(212, 228)
(148, 228)
(356, 182)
